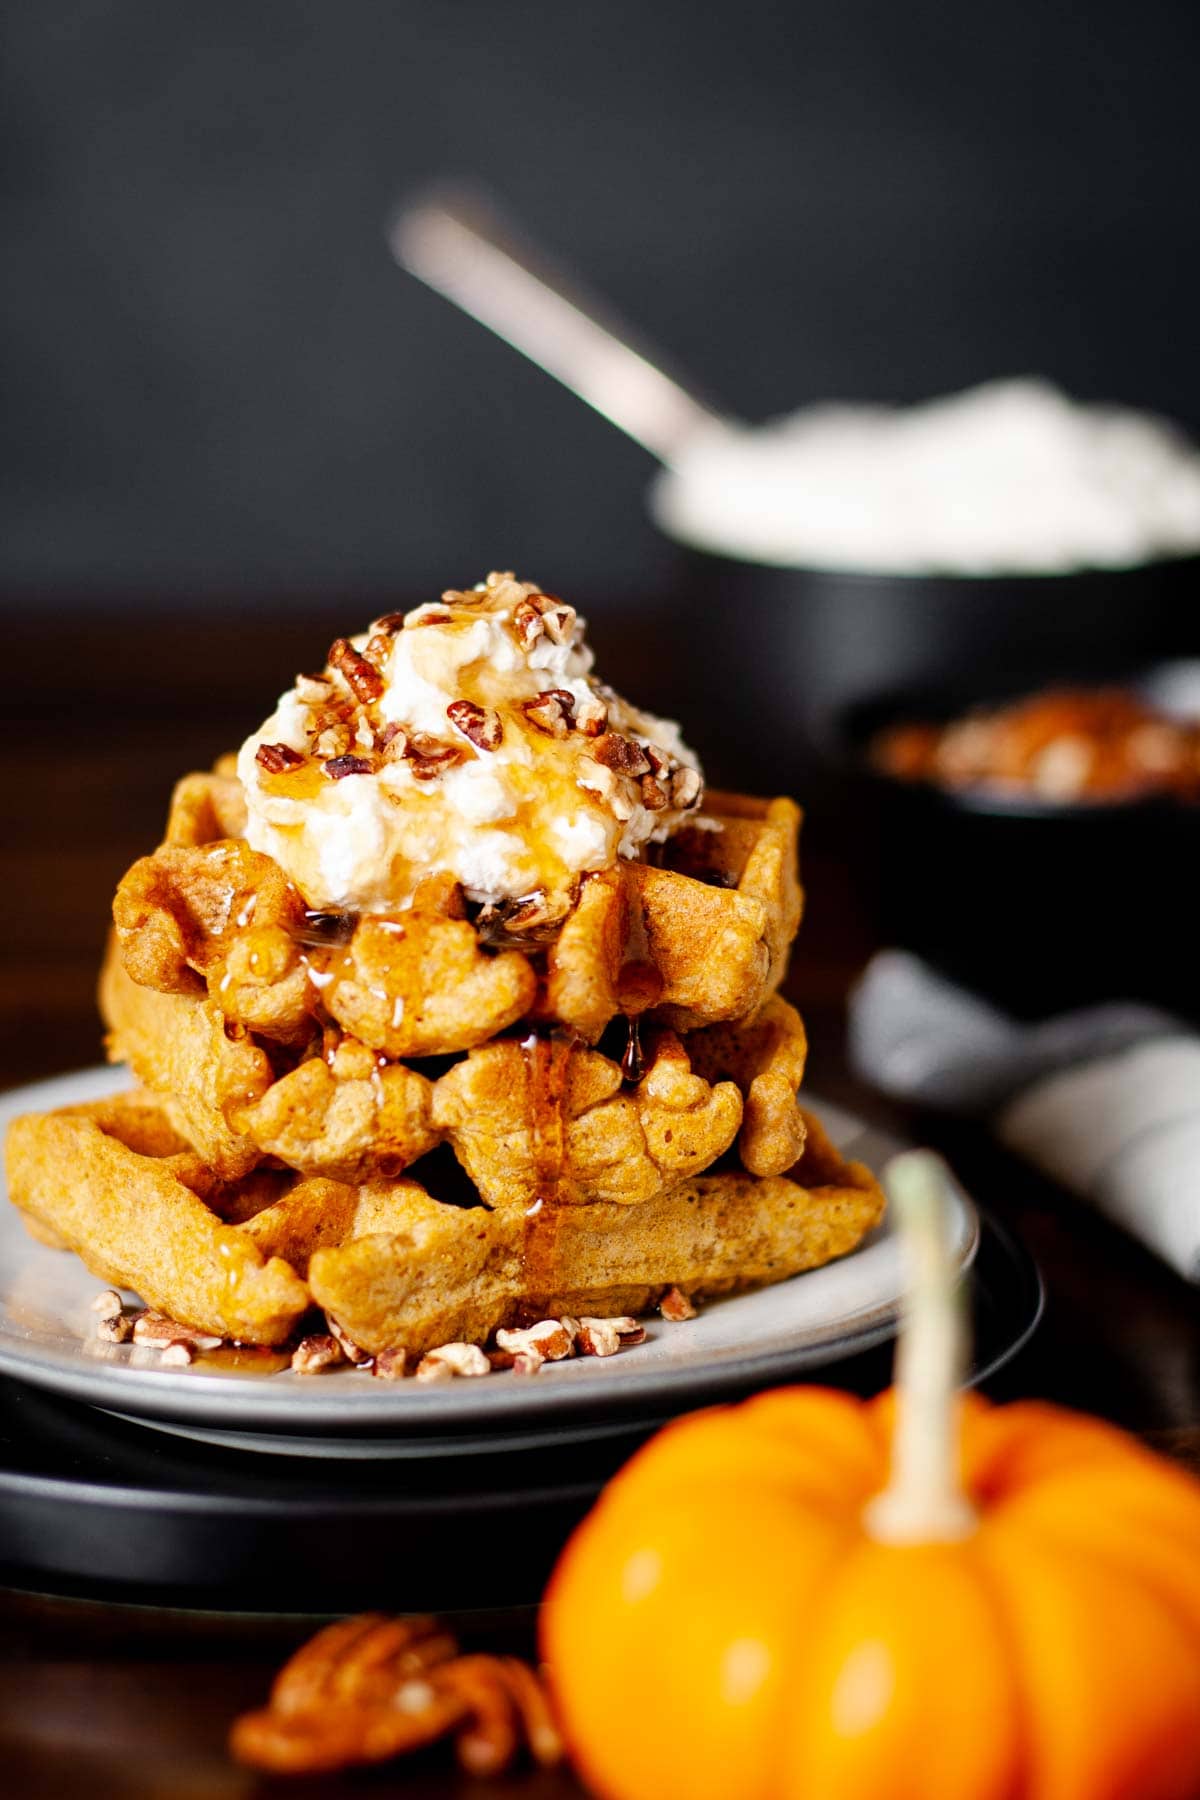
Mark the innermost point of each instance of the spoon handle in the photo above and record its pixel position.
(454, 240)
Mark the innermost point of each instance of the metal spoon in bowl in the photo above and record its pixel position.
(455, 240)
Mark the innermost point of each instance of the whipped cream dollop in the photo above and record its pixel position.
(467, 738)
(1012, 477)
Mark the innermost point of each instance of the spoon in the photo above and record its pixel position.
(457, 242)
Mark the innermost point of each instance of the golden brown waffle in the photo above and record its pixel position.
(699, 938)
(529, 1119)
(117, 1185)
(597, 1079)
(394, 1266)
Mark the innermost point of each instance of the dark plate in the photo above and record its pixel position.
(94, 1506)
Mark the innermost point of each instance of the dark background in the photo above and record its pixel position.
(217, 383)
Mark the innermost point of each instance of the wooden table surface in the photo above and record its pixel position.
(110, 708)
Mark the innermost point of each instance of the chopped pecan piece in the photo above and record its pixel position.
(157, 1332)
(178, 1354)
(277, 759)
(350, 1350)
(686, 788)
(108, 1304)
(429, 756)
(480, 725)
(432, 617)
(389, 623)
(338, 767)
(676, 1307)
(620, 753)
(527, 624)
(558, 619)
(377, 649)
(334, 740)
(394, 742)
(314, 690)
(604, 1337)
(552, 712)
(451, 1360)
(533, 915)
(114, 1328)
(655, 797)
(364, 682)
(390, 1365)
(591, 717)
(320, 1351)
(550, 1340)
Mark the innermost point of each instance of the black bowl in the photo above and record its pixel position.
(764, 659)
(1037, 904)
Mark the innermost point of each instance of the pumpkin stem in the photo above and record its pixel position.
(923, 1500)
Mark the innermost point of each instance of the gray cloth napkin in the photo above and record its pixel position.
(1106, 1100)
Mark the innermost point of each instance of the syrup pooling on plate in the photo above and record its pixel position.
(547, 1068)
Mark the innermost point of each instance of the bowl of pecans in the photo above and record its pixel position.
(1032, 841)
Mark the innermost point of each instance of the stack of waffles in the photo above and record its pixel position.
(455, 1119)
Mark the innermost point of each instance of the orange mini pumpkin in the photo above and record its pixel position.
(809, 1597)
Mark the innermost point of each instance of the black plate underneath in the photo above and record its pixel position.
(91, 1505)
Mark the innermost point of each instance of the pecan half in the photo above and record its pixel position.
(552, 711)
(338, 767)
(370, 1688)
(364, 682)
(620, 753)
(480, 725)
(277, 759)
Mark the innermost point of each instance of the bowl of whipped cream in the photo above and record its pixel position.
(1008, 529)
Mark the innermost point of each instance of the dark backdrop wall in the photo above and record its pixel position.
(215, 379)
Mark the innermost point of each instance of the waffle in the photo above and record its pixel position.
(700, 940)
(343, 1115)
(454, 1119)
(393, 1265)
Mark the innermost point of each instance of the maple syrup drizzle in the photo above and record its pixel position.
(547, 1062)
(326, 930)
(639, 984)
(633, 1062)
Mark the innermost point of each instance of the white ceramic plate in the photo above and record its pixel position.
(751, 1340)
